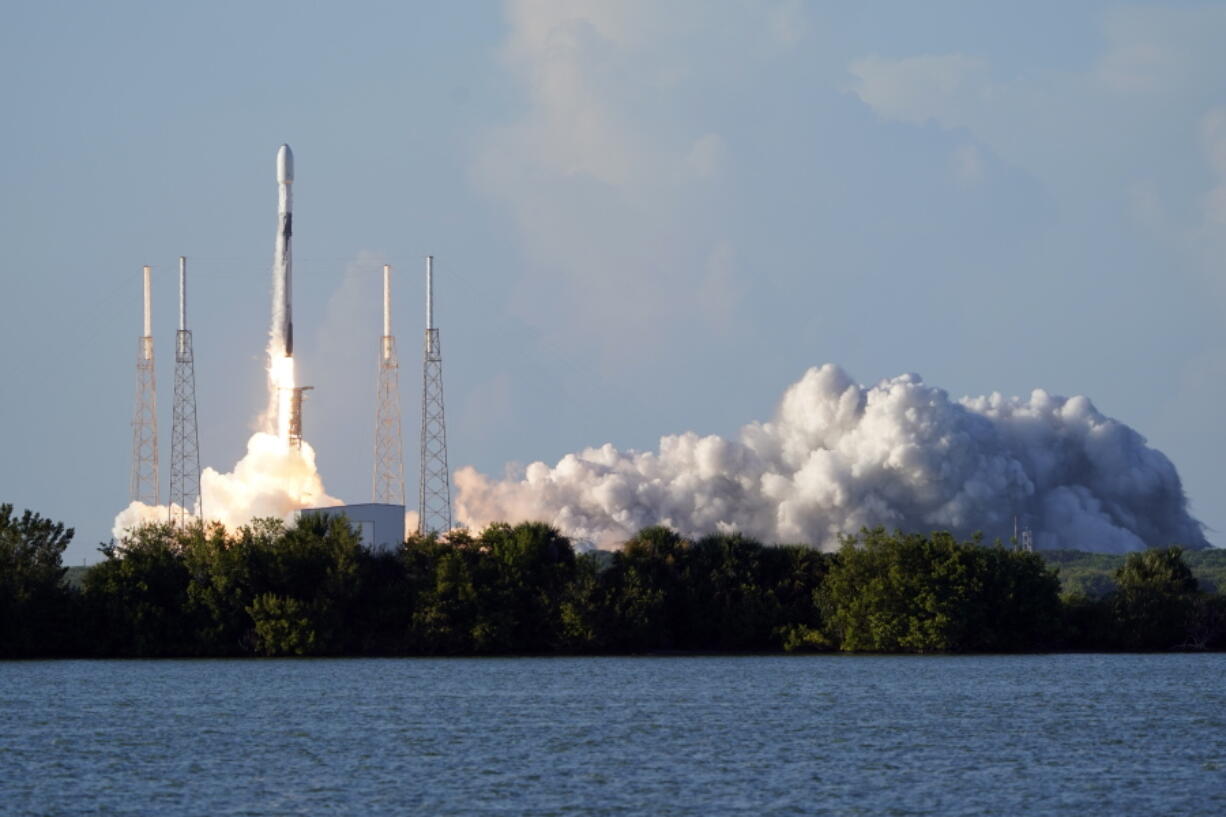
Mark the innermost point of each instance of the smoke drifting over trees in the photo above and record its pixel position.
(838, 457)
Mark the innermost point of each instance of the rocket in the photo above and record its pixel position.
(147, 338)
(282, 262)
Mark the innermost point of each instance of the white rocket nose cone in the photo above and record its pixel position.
(285, 165)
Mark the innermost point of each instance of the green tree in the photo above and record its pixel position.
(729, 601)
(583, 610)
(333, 546)
(1017, 606)
(644, 591)
(314, 563)
(1088, 623)
(220, 588)
(528, 568)
(35, 607)
(1156, 600)
(311, 588)
(379, 622)
(445, 617)
(1208, 626)
(136, 600)
(796, 573)
(912, 593)
(283, 626)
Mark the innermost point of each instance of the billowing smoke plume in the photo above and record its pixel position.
(273, 479)
(276, 477)
(838, 457)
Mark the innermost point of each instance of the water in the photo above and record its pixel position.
(1030, 735)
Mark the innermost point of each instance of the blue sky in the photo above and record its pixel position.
(648, 217)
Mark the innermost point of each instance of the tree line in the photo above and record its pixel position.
(311, 588)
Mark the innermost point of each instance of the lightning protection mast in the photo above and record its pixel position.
(387, 482)
(144, 486)
(434, 483)
(185, 502)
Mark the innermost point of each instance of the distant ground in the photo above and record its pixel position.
(1091, 573)
(75, 575)
(1080, 572)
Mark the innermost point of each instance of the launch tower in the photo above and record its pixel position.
(184, 436)
(144, 486)
(434, 484)
(295, 415)
(387, 482)
(1023, 540)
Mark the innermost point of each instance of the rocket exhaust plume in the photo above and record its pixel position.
(838, 456)
(277, 476)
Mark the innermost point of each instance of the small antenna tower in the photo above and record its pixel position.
(387, 483)
(184, 437)
(434, 484)
(144, 486)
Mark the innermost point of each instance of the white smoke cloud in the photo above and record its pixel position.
(272, 479)
(839, 456)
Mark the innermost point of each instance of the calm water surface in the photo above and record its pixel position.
(1033, 735)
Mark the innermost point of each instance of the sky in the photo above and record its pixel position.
(647, 218)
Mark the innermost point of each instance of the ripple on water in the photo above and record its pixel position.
(1035, 735)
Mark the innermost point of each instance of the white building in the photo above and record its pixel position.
(381, 526)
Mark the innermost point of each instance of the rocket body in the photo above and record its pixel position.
(283, 262)
(281, 334)
(387, 300)
(147, 338)
(387, 312)
(147, 272)
(182, 294)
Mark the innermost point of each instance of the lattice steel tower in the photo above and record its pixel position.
(387, 482)
(295, 415)
(144, 486)
(434, 484)
(1025, 540)
(185, 502)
